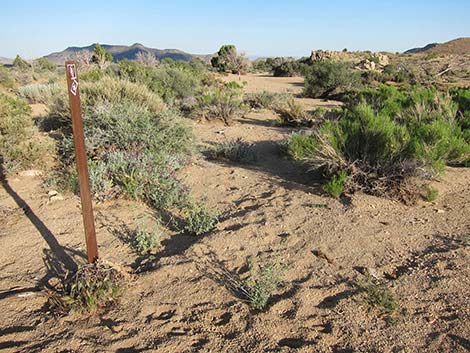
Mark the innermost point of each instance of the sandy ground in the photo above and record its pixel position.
(269, 210)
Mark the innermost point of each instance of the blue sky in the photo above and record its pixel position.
(34, 28)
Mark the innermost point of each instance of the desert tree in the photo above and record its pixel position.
(20, 63)
(84, 58)
(228, 60)
(146, 58)
(101, 56)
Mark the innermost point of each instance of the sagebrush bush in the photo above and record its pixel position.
(40, 93)
(235, 151)
(326, 77)
(114, 91)
(224, 102)
(263, 100)
(19, 147)
(135, 150)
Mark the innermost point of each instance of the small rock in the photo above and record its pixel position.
(438, 210)
(57, 198)
(52, 193)
(30, 173)
(116, 328)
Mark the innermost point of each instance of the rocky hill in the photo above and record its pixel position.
(457, 46)
(122, 52)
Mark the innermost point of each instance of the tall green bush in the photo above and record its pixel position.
(323, 78)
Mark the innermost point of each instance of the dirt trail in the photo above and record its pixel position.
(269, 210)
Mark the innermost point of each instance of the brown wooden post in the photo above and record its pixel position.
(81, 160)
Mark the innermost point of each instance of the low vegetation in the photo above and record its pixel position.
(388, 142)
(235, 151)
(224, 102)
(262, 282)
(293, 113)
(20, 147)
(90, 288)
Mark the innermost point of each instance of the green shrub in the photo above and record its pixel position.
(6, 78)
(301, 146)
(198, 219)
(42, 64)
(220, 103)
(326, 77)
(378, 295)
(19, 147)
(262, 283)
(388, 144)
(335, 186)
(93, 74)
(143, 241)
(400, 73)
(461, 96)
(20, 64)
(173, 81)
(431, 194)
(288, 68)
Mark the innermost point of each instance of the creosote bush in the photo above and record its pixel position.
(327, 77)
(388, 142)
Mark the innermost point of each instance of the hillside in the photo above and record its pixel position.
(122, 52)
(457, 46)
(5, 61)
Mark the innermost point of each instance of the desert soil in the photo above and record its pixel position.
(270, 210)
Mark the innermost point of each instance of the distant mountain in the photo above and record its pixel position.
(457, 46)
(5, 61)
(122, 52)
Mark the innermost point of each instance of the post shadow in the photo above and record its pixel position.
(60, 256)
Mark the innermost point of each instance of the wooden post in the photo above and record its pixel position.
(81, 161)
